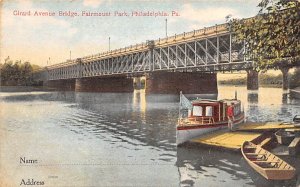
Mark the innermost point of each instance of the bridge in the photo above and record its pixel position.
(181, 62)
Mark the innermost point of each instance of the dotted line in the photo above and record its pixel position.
(113, 186)
(104, 164)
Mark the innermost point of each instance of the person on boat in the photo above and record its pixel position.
(230, 116)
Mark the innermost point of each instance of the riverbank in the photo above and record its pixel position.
(272, 79)
(265, 80)
(22, 88)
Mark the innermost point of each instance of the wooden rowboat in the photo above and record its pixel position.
(284, 137)
(266, 163)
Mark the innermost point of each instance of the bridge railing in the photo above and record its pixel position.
(143, 46)
(193, 34)
(131, 48)
(63, 64)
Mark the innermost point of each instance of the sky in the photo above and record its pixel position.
(38, 38)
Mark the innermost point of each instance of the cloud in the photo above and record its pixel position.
(92, 3)
(207, 15)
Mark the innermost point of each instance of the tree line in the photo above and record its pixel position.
(16, 73)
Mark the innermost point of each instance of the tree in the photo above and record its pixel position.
(17, 73)
(271, 37)
(7, 71)
(26, 70)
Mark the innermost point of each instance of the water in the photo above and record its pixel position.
(109, 139)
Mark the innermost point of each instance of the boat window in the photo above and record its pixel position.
(197, 110)
(208, 111)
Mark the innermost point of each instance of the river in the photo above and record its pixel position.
(128, 139)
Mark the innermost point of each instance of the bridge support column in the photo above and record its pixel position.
(252, 79)
(107, 84)
(60, 85)
(285, 78)
(187, 82)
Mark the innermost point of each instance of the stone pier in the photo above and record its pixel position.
(104, 84)
(252, 79)
(187, 82)
(60, 85)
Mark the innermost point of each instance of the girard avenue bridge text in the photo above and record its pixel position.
(85, 13)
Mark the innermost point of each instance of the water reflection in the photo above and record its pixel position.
(202, 166)
(285, 98)
(139, 100)
(253, 98)
(128, 117)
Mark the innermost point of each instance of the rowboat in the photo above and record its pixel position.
(284, 137)
(266, 163)
(296, 119)
(202, 116)
(295, 93)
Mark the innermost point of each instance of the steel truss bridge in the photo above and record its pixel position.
(206, 50)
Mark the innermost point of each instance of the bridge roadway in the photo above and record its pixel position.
(206, 50)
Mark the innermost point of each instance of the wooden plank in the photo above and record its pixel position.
(256, 154)
(225, 139)
(294, 146)
(264, 161)
(265, 142)
(266, 126)
(293, 130)
(282, 166)
(250, 147)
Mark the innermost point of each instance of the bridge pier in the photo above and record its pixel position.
(104, 84)
(187, 82)
(285, 78)
(60, 85)
(252, 79)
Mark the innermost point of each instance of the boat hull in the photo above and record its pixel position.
(281, 171)
(283, 137)
(186, 133)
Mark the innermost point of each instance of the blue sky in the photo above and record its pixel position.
(36, 38)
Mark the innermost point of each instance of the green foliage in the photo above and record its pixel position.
(272, 37)
(16, 73)
(236, 82)
(295, 79)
